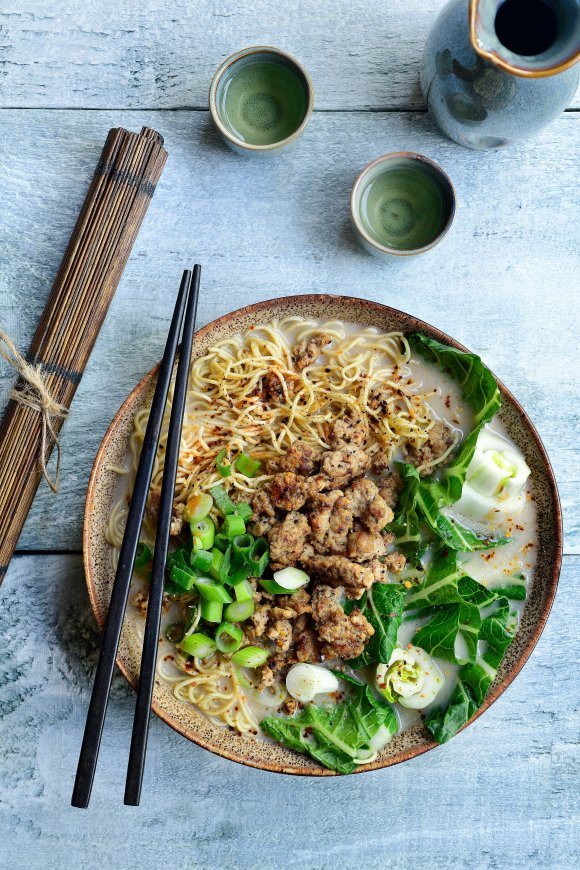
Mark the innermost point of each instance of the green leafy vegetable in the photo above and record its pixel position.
(383, 607)
(337, 735)
(423, 500)
(497, 630)
(450, 624)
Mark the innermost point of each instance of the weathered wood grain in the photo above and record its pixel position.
(505, 281)
(162, 53)
(498, 796)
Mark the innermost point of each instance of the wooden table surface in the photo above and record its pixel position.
(505, 282)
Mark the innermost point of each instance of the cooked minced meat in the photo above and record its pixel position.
(367, 505)
(439, 440)
(308, 350)
(380, 462)
(301, 458)
(308, 646)
(364, 545)
(280, 631)
(342, 466)
(264, 513)
(272, 390)
(348, 429)
(288, 491)
(395, 562)
(330, 522)
(345, 635)
(339, 571)
(390, 487)
(288, 540)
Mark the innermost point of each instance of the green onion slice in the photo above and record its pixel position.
(234, 526)
(243, 591)
(259, 556)
(247, 466)
(238, 611)
(221, 541)
(175, 632)
(143, 556)
(201, 560)
(212, 591)
(291, 578)
(272, 588)
(223, 501)
(183, 577)
(224, 468)
(179, 558)
(239, 575)
(211, 611)
(192, 618)
(198, 507)
(204, 531)
(228, 637)
(172, 589)
(198, 644)
(250, 656)
(244, 510)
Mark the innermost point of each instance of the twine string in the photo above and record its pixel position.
(33, 393)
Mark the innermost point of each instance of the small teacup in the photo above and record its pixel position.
(261, 99)
(401, 204)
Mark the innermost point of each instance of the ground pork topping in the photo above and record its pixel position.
(439, 440)
(368, 505)
(342, 466)
(364, 545)
(330, 522)
(288, 540)
(345, 634)
(308, 350)
(348, 429)
(338, 571)
(301, 458)
(288, 491)
(390, 487)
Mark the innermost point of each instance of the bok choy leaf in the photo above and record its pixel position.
(339, 736)
(382, 605)
(475, 678)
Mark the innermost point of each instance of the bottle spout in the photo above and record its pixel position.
(530, 38)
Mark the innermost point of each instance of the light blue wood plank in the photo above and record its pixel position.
(501, 795)
(505, 281)
(162, 53)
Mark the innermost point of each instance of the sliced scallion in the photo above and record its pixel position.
(238, 611)
(212, 591)
(239, 575)
(221, 541)
(183, 577)
(250, 656)
(222, 500)
(172, 589)
(201, 560)
(224, 469)
(198, 507)
(203, 531)
(211, 611)
(244, 510)
(259, 556)
(228, 637)
(291, 578)
(247, 466)
(234, 526)
(198, 644)
(243, 591)
(143, 556)
(272, 588)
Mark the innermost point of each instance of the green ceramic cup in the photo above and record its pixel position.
(261, 99)
(401, 204)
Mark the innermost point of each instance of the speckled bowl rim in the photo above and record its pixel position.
(355, 197)
(304, 302)
(215, 113)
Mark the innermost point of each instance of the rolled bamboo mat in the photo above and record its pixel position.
(119, 195)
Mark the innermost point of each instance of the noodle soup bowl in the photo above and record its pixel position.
(103, 494)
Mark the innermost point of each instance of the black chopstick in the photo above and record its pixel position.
(118, 603)
(151, 639)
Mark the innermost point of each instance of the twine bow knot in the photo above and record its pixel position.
(33, 393)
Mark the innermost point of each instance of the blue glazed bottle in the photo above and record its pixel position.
(495, 72)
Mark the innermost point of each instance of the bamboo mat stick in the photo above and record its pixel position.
(124, 182)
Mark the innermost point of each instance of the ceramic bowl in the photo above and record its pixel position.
(373, 171)
(245, 56)
(184, 718)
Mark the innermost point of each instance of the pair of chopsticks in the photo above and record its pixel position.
(184, 313)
